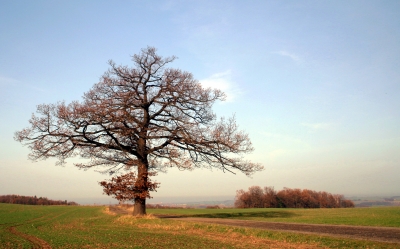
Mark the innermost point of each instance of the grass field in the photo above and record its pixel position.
(91, 227)
(381, 216)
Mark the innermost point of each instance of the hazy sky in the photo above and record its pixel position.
(316, 84)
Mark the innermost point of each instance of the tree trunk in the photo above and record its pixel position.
(141, 184)
(143, 169)
(139, 209)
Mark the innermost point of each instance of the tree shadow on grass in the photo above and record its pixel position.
(244, 215)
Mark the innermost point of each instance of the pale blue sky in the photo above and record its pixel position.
(316, 85)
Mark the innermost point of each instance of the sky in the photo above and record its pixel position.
(315, 84)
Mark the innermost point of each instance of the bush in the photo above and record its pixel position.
(256, 197)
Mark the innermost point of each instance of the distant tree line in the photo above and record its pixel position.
(378, 203)
(256, 197)
(158, 206)
(32, 200)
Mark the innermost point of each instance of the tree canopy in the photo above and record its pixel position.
(148, 117)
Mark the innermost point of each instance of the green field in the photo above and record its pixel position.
(25, 226)
(380, 216)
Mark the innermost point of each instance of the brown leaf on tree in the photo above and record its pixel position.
(129, 187)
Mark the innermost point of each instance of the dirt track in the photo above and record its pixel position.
(35, 242)
(383, 234)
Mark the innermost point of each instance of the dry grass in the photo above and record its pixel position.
(223, 234)
(119, 209)
(125, 213)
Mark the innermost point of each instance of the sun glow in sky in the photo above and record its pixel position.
(316, 84)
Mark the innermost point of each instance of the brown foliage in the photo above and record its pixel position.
(148, 117)
(255, 197)
(129, 187)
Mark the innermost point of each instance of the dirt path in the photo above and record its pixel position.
(36, 242)
(382, 234)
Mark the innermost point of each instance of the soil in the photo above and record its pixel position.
(381, 234)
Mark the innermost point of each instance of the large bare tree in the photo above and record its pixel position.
(146, 118)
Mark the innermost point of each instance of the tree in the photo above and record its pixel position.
(270, 197)
(256, 196)
(147, 118)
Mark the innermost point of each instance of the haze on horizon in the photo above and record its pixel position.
(315, 84)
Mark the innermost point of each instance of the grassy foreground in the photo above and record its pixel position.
(93, 227)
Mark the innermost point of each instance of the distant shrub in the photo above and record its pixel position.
(213, 207)
(256, 197)
(159, 206)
